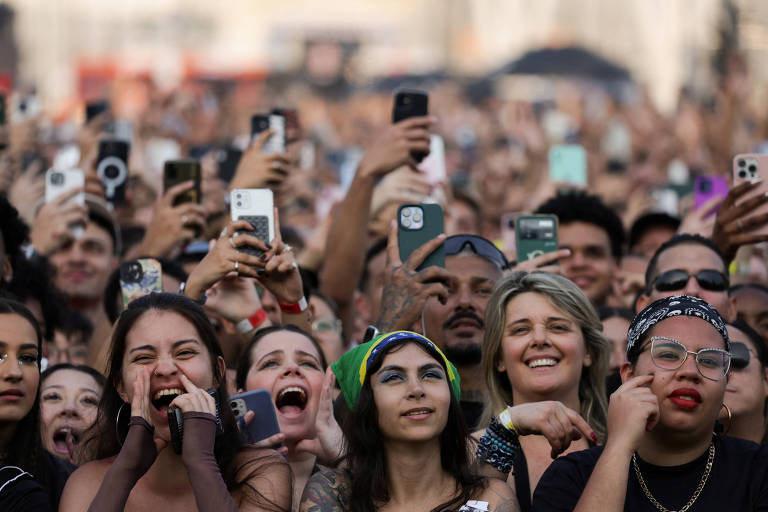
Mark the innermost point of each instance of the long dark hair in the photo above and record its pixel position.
(366, 459)
(25, 447)
(106, 436)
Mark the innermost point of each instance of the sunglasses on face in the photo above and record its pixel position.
(674, 280)
(739, 355)
(480, 246)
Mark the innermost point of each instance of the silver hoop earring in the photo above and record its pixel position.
(117, 423)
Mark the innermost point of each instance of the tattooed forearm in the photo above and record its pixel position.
(325, 492)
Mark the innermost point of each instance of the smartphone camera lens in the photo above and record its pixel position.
(111, 172)
(406, 212)
(239, 204)
(57, 178)
(417, 217)
(742, 174)
(705, 187)
(741, 163)
(406, 222)
(752, 168)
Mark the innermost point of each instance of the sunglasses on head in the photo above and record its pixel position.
(739, 355)
(673, 280)
(479, 245)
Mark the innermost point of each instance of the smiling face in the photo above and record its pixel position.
(688, 403)
(19, 372)
(542, 352)
(287, 364)
(412, 395)
(168, 345)
(83, 266)
(68, 404)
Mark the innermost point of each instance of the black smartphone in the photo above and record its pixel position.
(179, 171)
(112, 168)
(410, 103)
(259, 123)
(264, 424)
(94, 108)
(176, 422)
(228, 159)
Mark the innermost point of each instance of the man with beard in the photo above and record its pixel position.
(454, 319)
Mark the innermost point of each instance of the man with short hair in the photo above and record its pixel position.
(752, 306)
(690, 265)
(83, 264)
(594, 235)
(455, 321)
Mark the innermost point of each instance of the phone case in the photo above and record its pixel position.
(59, 182)
(416, 225)
(276, 142)
(228, 159)
(410, 103)
(433, 165)
(112, 168)
(264, 424)
(179, 171)
(568, 164)
(535, 235)
(256, 205)
(707, 187)
(259, 123)
(176, 423)
(747, 167)
(140, 277)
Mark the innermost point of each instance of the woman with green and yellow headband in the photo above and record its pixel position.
(407, 446)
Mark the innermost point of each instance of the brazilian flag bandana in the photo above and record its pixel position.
(353, 366)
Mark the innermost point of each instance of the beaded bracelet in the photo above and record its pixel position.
(498, 447)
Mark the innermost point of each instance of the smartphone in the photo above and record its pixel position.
(3, 117)
(94, 108)
(276, 142)
(416, 225)
(176, 423)
(228, 159)
(59, 182)
(140, 277)
(707, 187)
(535, 235)
(264, 424)
(666, 201)
(256, 205)
(180, 171)
(507, 228)
(747, 167)
(112, 168)
(433, 165)
(259, 123)
(410, 103)
(568, 164)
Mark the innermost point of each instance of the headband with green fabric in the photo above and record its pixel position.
(353, 366)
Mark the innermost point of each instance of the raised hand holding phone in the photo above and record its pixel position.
(258, 169)
(63, 216)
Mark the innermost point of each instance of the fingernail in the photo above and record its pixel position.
(593, 436)
(433, 119)
(442, 236)
(263, 257)
(755, 181)
(567, 251)
(268, 246)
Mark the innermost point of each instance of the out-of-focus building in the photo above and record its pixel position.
(664, 43)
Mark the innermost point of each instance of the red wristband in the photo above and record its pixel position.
(252, 322)
(293, 308)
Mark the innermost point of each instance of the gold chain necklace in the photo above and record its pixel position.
(696, 493)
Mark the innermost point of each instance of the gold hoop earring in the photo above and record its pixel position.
(730, 422)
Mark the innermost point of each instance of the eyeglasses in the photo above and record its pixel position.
(673, 280)
(325, 325)
(670, 354)
(479, 245)
(739, 355)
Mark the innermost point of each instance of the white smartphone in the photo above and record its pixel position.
(433, 165)
(60, 182)
(276, 142)
(256, 205)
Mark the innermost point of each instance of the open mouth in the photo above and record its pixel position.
(60, 439)
(542, 362)
(163, 398)
(418, 413)
(292, 399)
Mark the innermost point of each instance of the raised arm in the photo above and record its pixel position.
(348, 234)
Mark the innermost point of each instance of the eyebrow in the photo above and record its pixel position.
(25, 346)
(549, 319)
(153, 349)
(307, 354)
(279, 350)
(397, 368)
(59, 386)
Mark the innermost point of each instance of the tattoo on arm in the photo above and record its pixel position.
(326, 492)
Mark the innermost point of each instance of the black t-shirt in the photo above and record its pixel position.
(472, 412)
(20, 492)
(738, 481)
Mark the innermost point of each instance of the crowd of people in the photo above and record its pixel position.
(624, 371)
